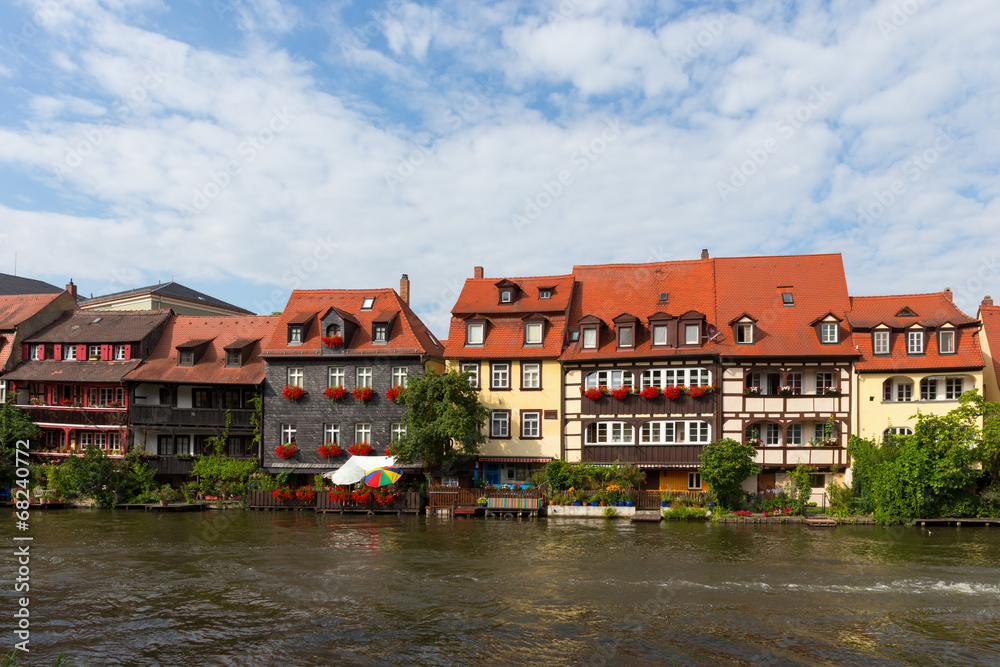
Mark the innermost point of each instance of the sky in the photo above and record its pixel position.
(246, 148)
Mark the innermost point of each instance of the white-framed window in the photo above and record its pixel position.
(368, 303)
(793, 435)
(363, 433)
(897, 430)
(914, 342)
(771, 435)
(396, 432)
(296, 377)
(34, 352)
(474, 333)
(625, 336)
(331, 433)
(69, 352)
(828, 332)
(754, 381)
(380, 333)
(744, 333)
(880, 342)
(946, 342)
(505, 296)
(531, 376)
(694, 480)
(3, 392)
(363, 376)
(119, 353)
(295, 334)
(928, 389)
(794, 382)
(609, 433)
(533, 333)
(659, 334)
(473, 371)
(824, 381)
(952, 388)
(531, 425)
(609, 379)
(590, 338)
(692, 334)
(545, 294)
(399, 376)
(94, 352)
(287, 434)
(185, 357)
(904, 391)
(500, 376)
(500, 424)
(674, 432)
(335, 376)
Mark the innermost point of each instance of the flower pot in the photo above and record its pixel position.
(602, 503)
(665, 503)
(593, 503)
(577, 503)
(621, 504)
(163, 503)
(629, 503)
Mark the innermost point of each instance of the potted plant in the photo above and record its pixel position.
(333, 341)
(621, 393)
(282, 493)
(165, 494)
(360, 449)
(335, 393)
(482, 501)
(675, 392)
(286, 451)
(330, 450)
(751, 391)
(363, 393)
(392, 393)
(293, 392)
(596, 394)
(786, 391)
(306, 494)
(651, 392)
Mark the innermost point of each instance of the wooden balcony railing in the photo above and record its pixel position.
(150, 415)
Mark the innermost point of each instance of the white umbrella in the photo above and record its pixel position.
(356, 467)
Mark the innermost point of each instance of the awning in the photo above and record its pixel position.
(514, 459)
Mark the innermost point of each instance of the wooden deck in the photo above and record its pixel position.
(986, 523)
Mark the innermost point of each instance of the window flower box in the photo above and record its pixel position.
(651, 392)
(286, 451)
(753, 442)
(360, 449)
(787, 391)
(596, 394)
(330, 450)
(621, 393)
(673, 393)
(363, 393)
(393, 393)
(830, 391)
(751, 391)
(335, 393)
(340, 495)
(293, 392)
(701, 390)
(333, 341)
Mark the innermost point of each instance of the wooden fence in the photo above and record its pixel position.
(263, 499)
(405, 502)
(527, 499)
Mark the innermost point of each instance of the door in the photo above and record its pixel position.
(765, 482)
(493, 474)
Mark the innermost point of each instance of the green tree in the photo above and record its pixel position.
(92, 475)
(801, 486)
(14, 426)
(725, 464)
(973, 407)
(444, 419)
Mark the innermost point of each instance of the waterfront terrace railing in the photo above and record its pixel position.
(450, 498)
(409, 501)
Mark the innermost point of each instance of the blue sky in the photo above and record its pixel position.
(249, 147)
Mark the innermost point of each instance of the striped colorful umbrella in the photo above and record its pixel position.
(382, 476)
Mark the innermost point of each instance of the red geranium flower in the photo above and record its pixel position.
(286, 451)
(335, 393)
(651, 392)
(329, 450)
(333, 341)
(360, 449)
(293, 392)
(363, 393)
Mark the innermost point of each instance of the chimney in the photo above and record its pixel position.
(987, 300)
(404, 289)
(478, 273)
(71, 288)
(948, 294)
(704, 253)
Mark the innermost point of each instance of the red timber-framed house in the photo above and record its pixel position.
(357, 343)
(203, 369)
(787, 361)
(508, 334)
(641, 332)
(71, 381)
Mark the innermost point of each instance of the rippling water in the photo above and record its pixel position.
(299, 588)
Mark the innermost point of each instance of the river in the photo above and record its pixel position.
(301, 588)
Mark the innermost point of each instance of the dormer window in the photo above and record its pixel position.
(829, 333)
(744, 333)
(590, 338)
(36, 352)
(692, 334)
(625, 336)
(380, 333)
(368, 303)
(533, 333)
(880, 342)
(659, 335)
(234, 358)
(475, 333)
(915, 341)
(505, 296)
(120, 353)
(545, 294)
(295, 334)
(333, 330)
(946, 341)
(185, 357)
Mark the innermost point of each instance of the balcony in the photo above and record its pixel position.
(162, 415)
(76, 416)
(666, 455)
(176, 465)
(781, 457)
(637, 405)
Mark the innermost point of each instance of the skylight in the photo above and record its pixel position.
(787, 299)
(368, 303)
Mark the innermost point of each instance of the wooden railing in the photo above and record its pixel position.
(264, 499)
(495, 498)
(162, 414)
(409, 501)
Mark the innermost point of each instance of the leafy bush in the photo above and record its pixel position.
(841, 499)
(989, 502)
(725, 464)
(682, 513)
(215, 471)
(958, 505)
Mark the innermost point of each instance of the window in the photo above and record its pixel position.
(331, 433)
(474, 333)
(904, 391)
(105, 395)
(590, 338)
(609, 433)
(183, 445)
(335, 376)
(500, 424)
(787, 299)
(295, 334)
(287, 434)
(946, 342)
(120, 353)
(363, 433)
(545, 294)
(674, 432)
(817, 481)
(531, 425)
(828, 332)
(793, 381)
(295, 377)
(952, 388)
(824, 381)
(505, 296)
(396, 432)
(185, 357)
(473, 372)
(880, 342)
(659, 334)
(896, 430)
(232, 399)
(887, 390)
(928, 389)
(793, 436)
(3, 392)
(533, 333)
(499, 376)
(69, 353)
(94, 352)
(914, 342)
(771, 435)
(694, 480)
(333, 330)
(201, 398)
(671, 377)
(625, 337)
(380, 334)
(531, 377)
(820, 431)
(234, 358)
(753, 381)
(692, 334)
(368, 303)
(744, 334)
(35, 352)
(363, 376)
(399, 376)
(609, 379)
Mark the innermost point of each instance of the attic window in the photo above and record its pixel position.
(368, 303)
(590, 338)
(380, 333)
(234, 358)
(906, 312)
(574, 336)
(505, 296)
(295, 334)
(96, 320)
(663, 297)
(545, 294)
(185, 357)
(787, 299)
(744, 333)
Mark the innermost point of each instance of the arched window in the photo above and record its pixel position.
(333, 330)
(764, 434)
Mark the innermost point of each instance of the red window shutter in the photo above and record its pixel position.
(81, 352)
(128, 352)
(57, 352)
(26, 352)
(105, 353)
(41, 352)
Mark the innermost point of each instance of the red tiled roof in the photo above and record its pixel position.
(932, 310)
(101, 326)
(408, 334)
(990, 316)
(216, 331)
(16, 309)
(6, 345)
(505, 340)
(969, 355)
(72, 371)
(481, 295)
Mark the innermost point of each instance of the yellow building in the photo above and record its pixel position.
(507, 334)
(919, 352)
